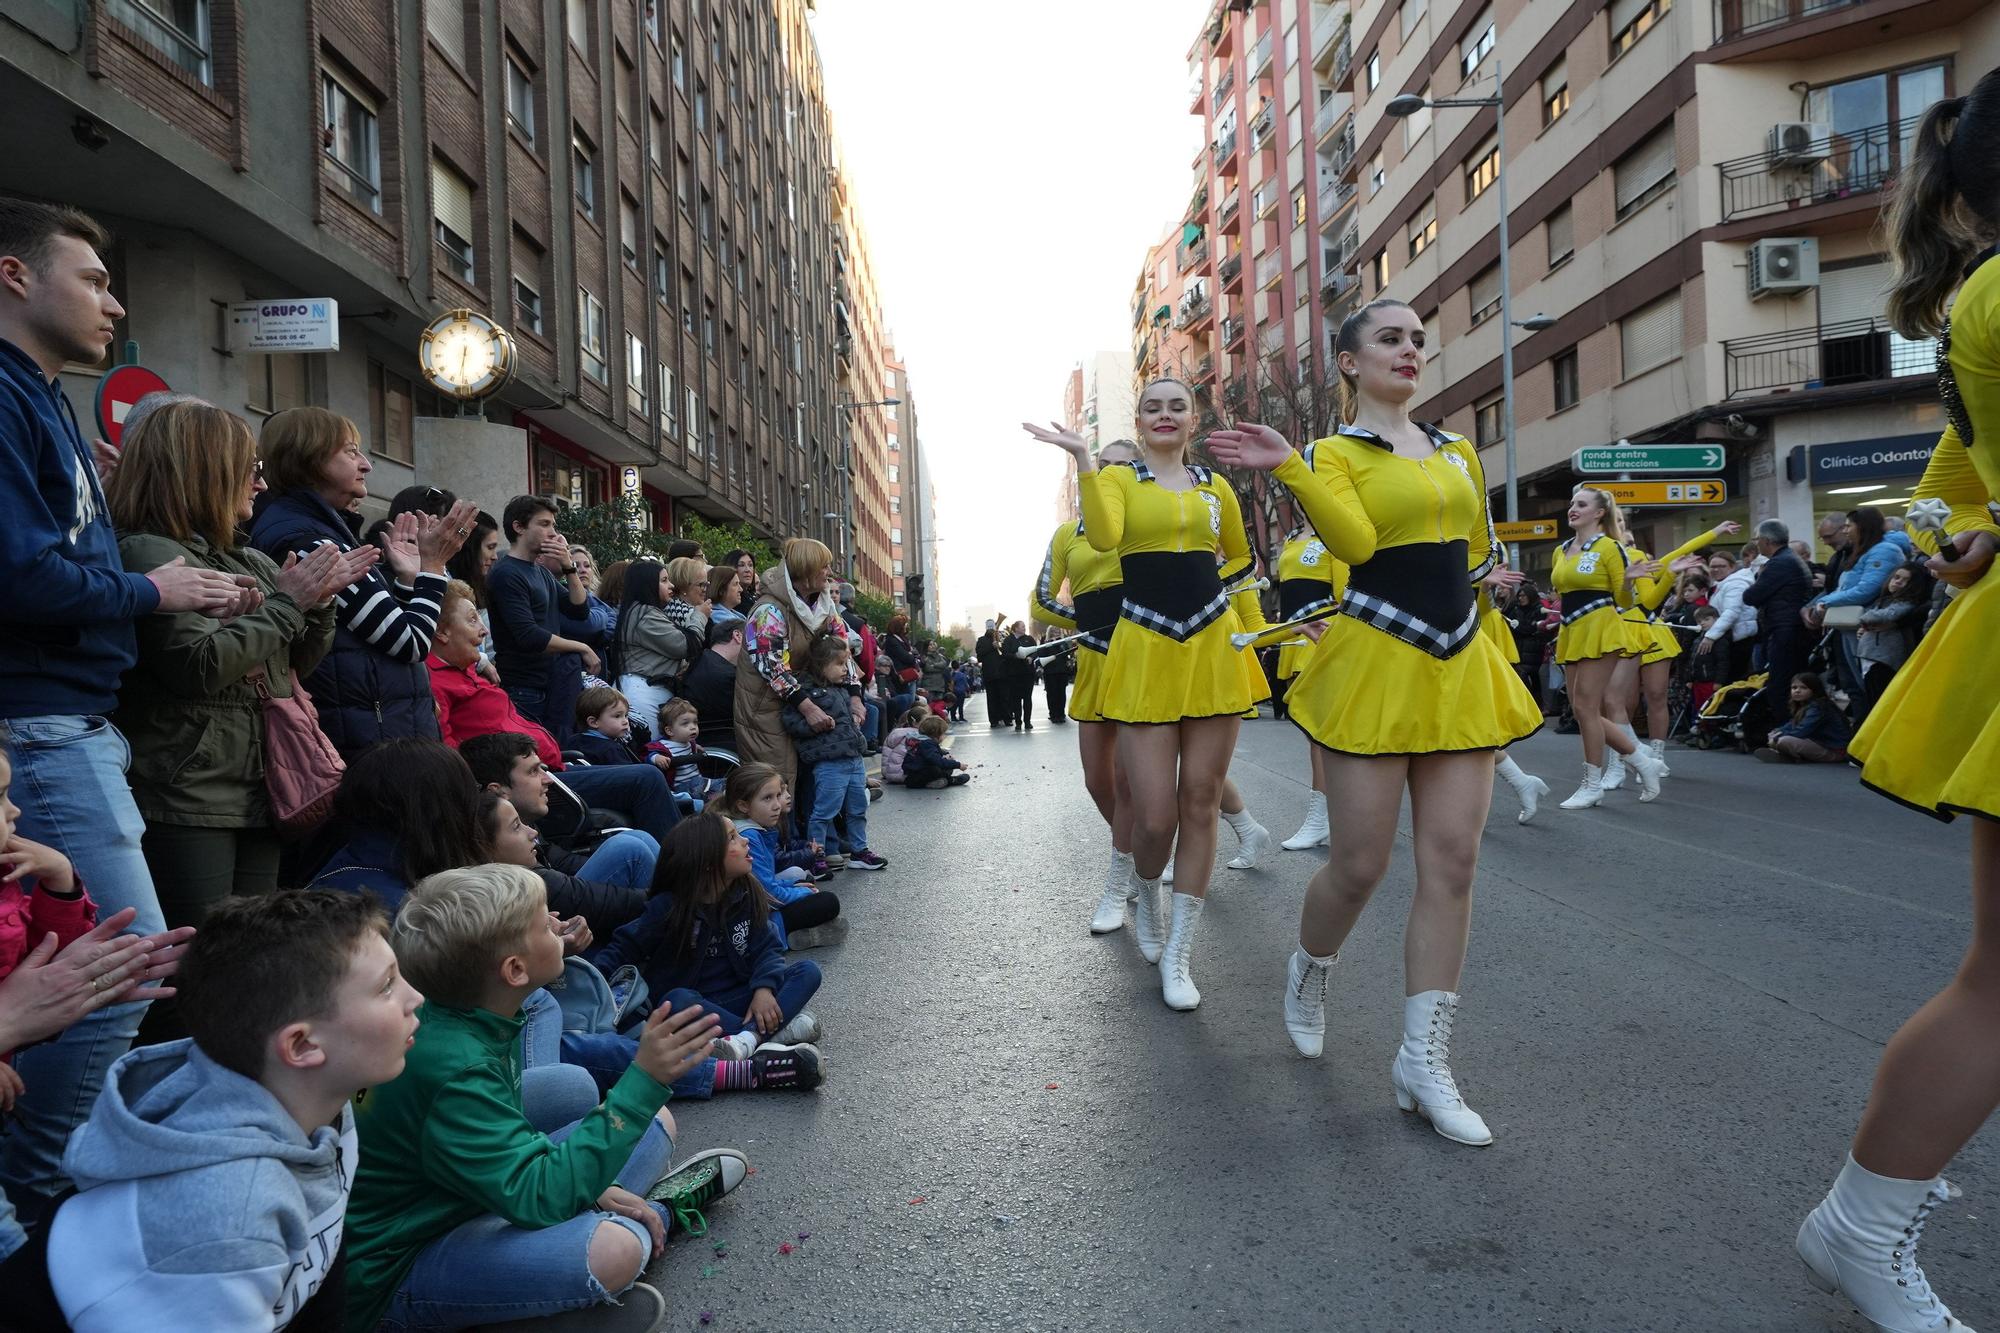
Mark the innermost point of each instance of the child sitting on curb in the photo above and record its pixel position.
(929, 764)
(895, 750)
(679, 754)
(807, 916)
(467, 1209)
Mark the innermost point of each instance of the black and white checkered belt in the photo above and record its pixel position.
(1174, 593)
(1419, 594)
(1097, 616)
(1301, 596)
(1581, 602)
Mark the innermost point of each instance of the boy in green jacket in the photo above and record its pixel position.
(464, 1210)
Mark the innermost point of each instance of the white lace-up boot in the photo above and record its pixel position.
(1312, 833)
(1649, 771)
(1149, 925)
(1110, 913)
(1253, 838)
(1658, 749)
(1527, 787)
(1176, 986)
(1305, 1001)
(1590, 793)
(1614, 770)
(1862, 1243)
(1421, 1071)
(1167, 875)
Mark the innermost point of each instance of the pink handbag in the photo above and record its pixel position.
(302, 770)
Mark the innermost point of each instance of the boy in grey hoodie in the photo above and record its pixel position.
(213, 1172)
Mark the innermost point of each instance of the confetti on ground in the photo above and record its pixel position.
(805, 1235)
(1051, 1087)
(918, 1199)
(721, 1248)
(707, 1317)
(785, 1248)
(708, 1270)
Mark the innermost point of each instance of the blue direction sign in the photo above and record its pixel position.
(1651, 458)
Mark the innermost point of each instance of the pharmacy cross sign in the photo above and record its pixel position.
(1651, 458)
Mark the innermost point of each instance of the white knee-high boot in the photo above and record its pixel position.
(1862, 1242)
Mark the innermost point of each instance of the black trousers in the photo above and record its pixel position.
(1057, 688)
(815, 909)
(1784, 657)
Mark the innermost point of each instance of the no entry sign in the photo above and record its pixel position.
(117, 392)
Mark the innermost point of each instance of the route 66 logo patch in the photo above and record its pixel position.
(1314, 549)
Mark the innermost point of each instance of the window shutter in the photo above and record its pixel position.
(1860, 292)
(1624, 11)
(445, 20)
(451, 196)
(1486, 288)
(1645, 166)
(527, 262)
(1556, 75)
(1562, 233)
(1651, 336)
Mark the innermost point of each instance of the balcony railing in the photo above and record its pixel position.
(1349, 245)
(1232, 331)
(1199, 202)
(1261, 56)
(1226, 149)
(1343, 59)
(1823, 356)
(1230, 203)
(1192, 312)
(1329, 114)
(1205, 369)
(1192, 256)
(1334, 198)
(1343, 150)
(1269, 269)
(1223, 88)
(1743, 18)
(1326, 25)
(1230, 267)
(1839, 166)
(1263, 125)
(1335, 284)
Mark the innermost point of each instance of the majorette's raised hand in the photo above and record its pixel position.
(1248, 445)
(1067, 440)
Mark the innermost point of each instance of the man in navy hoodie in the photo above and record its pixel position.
(66, 636)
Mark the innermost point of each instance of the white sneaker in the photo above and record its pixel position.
(1648, 769)
(1312, 833)
(1421, 1071)
(818, 937)
(1590, 793)
(739, 1047)
(1254, 845)
(1176, 986)
(1614, 770)
(1149, 927)
(1861, 1242)
(1305, 1001)
(804, 1027)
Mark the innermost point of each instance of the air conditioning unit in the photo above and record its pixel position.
(1800, 143)
(1783, 266)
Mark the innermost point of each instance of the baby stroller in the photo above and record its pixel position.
(1721, 722)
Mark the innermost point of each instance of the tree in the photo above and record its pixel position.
(718, 539)
(619, 529)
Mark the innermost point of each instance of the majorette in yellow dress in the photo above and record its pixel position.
(1656, 640)
(1092, 610)
(1495, 627)
(1403, 668)
(1595, 593)
(1310, 580)
(1170, 658)
(1933, 742)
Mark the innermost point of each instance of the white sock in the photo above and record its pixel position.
(1508, 769)
(747, 1039)
(1240, 821)
(1311, 957)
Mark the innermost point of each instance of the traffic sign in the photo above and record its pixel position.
(1651, 458)
(1630, 493)
(121, 387)
(1528, 530)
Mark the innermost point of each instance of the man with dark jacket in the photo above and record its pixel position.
(539, 623)
(1780, 594)
(999, 708)
(710, 684)
(66, 636)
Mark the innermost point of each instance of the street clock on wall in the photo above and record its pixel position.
(465, 354)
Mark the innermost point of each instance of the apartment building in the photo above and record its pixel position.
(639, 191)
(858, 525)
(1100, 396)
(912, 521)
(1693, 190)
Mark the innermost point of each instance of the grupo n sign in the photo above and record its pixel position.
(295, 324)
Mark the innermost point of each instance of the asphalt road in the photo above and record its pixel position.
(1672, 1013)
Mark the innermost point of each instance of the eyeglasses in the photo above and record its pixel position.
(256, 467)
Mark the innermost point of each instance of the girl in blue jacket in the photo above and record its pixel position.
(705, 939)
(807, 916)
(1817, 732)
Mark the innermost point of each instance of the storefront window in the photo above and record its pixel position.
(565, 478)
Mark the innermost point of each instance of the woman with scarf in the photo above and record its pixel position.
(795, 603)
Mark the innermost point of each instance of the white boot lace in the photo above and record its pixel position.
(1903, 1259)
(1437, 1051)
(1314, 965)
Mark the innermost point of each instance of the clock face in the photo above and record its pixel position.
(465, 354)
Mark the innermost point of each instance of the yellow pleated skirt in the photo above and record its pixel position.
(1151, 678)
(1088, 685)
(1602, 633)
(1933, 742)
(1366, 692)
(1293, 657)
(1494, 626)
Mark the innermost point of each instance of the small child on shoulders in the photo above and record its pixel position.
(840, 775)
(605, 718)
(705, 941)
(931, 765)
(896, 748)
(678, 754)
(467, 1210)
(807, 916)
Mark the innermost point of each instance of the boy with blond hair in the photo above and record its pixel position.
(468, 1209)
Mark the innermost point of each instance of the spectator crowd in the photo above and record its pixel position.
(366, 893)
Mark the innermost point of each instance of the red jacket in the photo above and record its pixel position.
(26, 916)
(469, 705)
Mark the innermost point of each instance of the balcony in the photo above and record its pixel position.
(1260, 57)
(1221, 32)
(1841, 166)
(1193, 256)
(1746, 18)
(1343, 59)
(1232, 332)
(1225, 153)
(1336, 285)
(1262, 127)
(1823, 356)
(1270, 268)
(1223, 88)
(1230, 202)
(1195, 311)
(1327, 119)
(1197, 95)
(1334, 197)
(1328, 24)
(1198, 203)
(1343, 150)
(1230, 268)
(1350, 244)
(1204, 370)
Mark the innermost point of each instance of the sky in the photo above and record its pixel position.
(1012, 164)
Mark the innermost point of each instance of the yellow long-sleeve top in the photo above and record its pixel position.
(1651, 592)
(1092, 577)
(1415, 534)
(1591, 576)
(1964, 470)
(1167, 543)
(1310, 577)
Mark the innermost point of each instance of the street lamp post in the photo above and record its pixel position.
(1408, 104)
(846, 514)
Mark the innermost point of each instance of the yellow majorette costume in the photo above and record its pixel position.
(1495, 627)
(1656, 639)
(1403, 667)
(1093, 609)
(1933, 742)
(1310, 580)
(1594, 594)
(1170, 658)
(1250, 614)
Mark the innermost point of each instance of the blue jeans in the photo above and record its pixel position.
(840, 786)
(625, 859)
(69, 780)
(798, 983)
(488, 1270)
(637, 791)
(871, 721)
(604, 1056)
